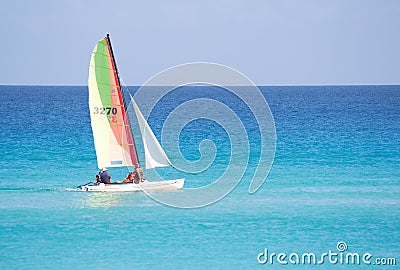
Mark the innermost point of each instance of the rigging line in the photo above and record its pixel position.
(124, 85)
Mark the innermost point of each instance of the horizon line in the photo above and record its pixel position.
(270, 85)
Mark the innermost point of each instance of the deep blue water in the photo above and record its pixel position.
(335, 177)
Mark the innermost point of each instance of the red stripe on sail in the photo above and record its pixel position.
(120, 127)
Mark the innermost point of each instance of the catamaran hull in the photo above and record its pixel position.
(160, 185)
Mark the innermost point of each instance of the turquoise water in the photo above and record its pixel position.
(335, 177)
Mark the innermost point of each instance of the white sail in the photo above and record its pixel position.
(154, 154)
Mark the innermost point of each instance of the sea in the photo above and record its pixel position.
(333, 189)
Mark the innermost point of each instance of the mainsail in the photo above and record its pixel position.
(112, 133)
(154, 154)
(113, 139)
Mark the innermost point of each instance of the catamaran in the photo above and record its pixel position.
(112, 132)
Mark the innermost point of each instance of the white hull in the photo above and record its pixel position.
(146, 185)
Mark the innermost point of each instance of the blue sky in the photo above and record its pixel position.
(299, 42)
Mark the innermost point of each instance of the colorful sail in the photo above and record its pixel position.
(154, 154)
(112, 133)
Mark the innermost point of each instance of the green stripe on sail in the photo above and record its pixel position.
(103, 73)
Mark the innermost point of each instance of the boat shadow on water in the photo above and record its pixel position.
(106, 199)
(120, 199)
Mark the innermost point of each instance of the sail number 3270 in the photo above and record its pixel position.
(106, 110)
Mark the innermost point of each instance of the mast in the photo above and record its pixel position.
(122, 94)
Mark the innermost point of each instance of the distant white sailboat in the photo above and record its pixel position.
(113, 138)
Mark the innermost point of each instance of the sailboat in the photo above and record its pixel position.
(112, 132)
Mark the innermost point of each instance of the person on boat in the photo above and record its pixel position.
(138, 176)
(129, 178)
(105, 176)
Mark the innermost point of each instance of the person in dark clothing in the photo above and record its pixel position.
(105, 176)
